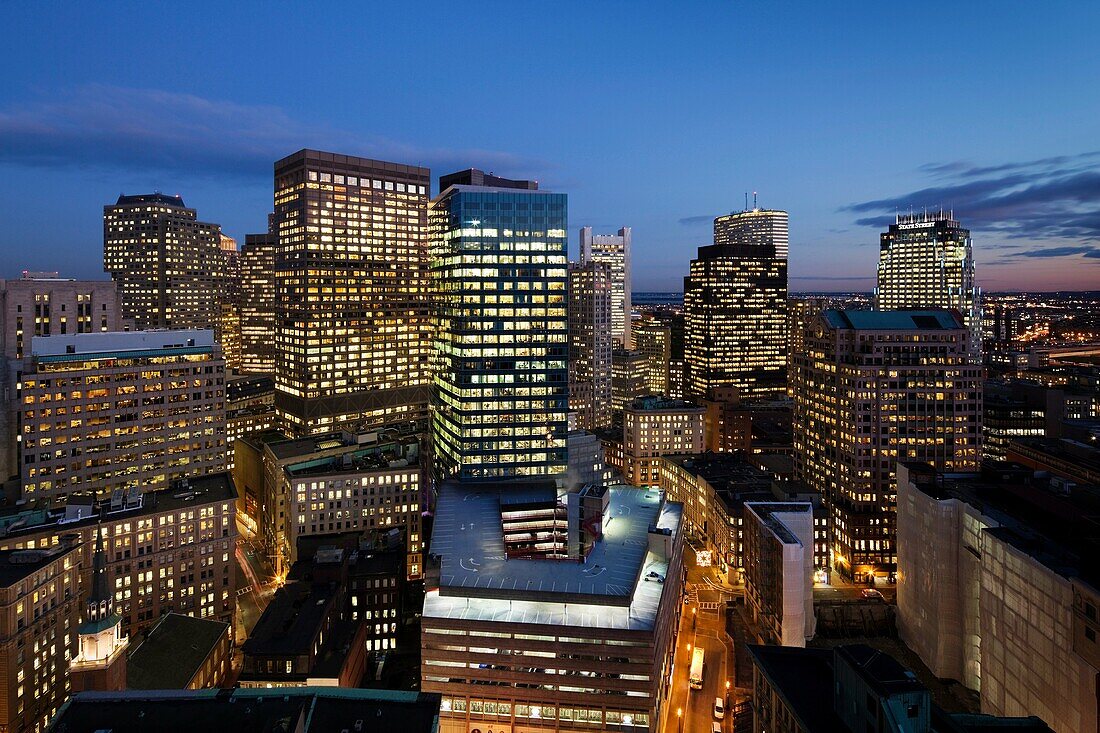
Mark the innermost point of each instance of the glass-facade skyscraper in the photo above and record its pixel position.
(614, 251)
(499, 270)
(926, 261)
(735, 306)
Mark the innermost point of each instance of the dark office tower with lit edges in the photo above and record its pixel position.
(735, 306)
(926, 260)
(500, 392)
(351, 292)
(170, 267)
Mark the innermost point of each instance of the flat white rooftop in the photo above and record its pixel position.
(104, 342)
(608, 590)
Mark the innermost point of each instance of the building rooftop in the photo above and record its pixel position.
(882, 673)
(767, 514)
(479, 582)
(656, 402)
(804, 679)
(106, 344)
(81, 510)
(16, 565)
(901, 320)
(291, 620)
(475, 177)
(172, 652)
(1055, 521)
(151, 198)
(247, 387)
(300, 709)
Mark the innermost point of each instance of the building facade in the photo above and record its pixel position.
(351, 292)
(167, 551)
(614, 251)
(545, 645)
(257, 312)
(653, 340)
(42, 304)
(628, 379)
(873, 388)
(334, 484)
(170, 267)
(779, 570)
(112, 411)
(998, 588)
(590, 339)
(735, 306)
(39, 616)
(655, 427)
(926, 261)
(501, 392)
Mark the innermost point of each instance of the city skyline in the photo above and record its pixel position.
(727, 113)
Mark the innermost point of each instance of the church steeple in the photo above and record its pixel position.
(100, 600)
(101, 661)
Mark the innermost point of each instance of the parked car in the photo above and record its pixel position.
(719, 708)
(871, 594)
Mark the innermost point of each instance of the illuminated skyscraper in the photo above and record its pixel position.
(613, 249)
(926, 261)
(258, 303)
(227, 330)
(170, 267)
(590, 344)
(870, 389)
(500, 396)
(351, 291)
(653, 339)
(735, 305)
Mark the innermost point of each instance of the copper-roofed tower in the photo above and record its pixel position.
(101, 662)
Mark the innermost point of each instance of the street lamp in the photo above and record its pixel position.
(727, 693)
(694, 615)
(680, 717)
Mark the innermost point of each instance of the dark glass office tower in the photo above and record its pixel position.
(498, 264)
(351, 292)
(735, 306)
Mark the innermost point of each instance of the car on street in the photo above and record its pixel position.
(715, 727)
(871, 594)
(719, 708)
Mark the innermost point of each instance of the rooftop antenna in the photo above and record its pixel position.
(754, 206)
(746, 200)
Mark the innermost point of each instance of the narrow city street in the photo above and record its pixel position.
(702, 624)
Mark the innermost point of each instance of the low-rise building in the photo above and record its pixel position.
(167, 551)
(39, 615)
(1070, 459)
(586, 460)
(307, 710)
(121, 410)
(305, 636)
(854, 689)
(249, 409)
(339, 482)
(577, 634)
(998, 587)
(181, 653)
(779, 570)
(655, 427)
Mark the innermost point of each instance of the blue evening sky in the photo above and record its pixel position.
(654, 115)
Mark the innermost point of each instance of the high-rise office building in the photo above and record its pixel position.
(351, 289)
(500, 397)
(170, 267)
(227, 330)
(628, 378)
(258, 303)
(926, 261)
(614, 249)
(873, 388)
(735, 306)
(653, 339)
(112, 411)
(590, 344)
(43, 304)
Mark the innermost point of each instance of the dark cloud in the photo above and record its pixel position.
(1056, 198)
(124, 128)
(690, 221)
(1058, 252)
